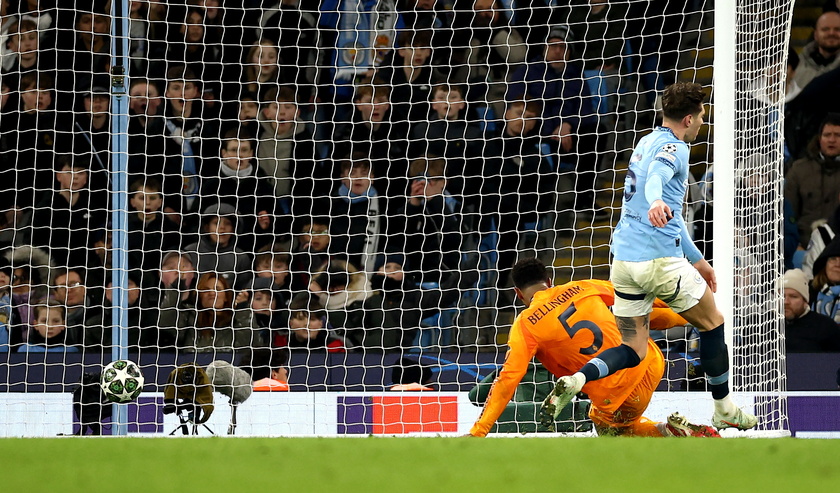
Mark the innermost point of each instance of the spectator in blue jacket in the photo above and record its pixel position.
(49, 331)
(6, 274)
(825, 287)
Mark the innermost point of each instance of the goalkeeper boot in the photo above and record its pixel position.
(678, 426)
(563, 393)
(740, 419)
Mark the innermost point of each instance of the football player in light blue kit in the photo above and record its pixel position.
(654, 257)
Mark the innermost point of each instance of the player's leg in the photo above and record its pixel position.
(714, 358)
(632, 315)
(678, 426)
(632, 308)
(611, 424)
(675, 426)
(608, 362)
(633, 349)
(627, 420)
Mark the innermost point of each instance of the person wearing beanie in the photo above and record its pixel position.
(806, 331)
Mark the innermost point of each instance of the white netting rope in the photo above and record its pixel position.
(359, 177)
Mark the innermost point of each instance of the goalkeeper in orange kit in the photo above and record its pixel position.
(565, 327)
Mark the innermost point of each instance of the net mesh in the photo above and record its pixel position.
(761, 58)
(340, 190)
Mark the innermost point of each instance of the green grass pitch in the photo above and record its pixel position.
(120, 465)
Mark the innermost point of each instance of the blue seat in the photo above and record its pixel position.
(436, 329)
(486, 119)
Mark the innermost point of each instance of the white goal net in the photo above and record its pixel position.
(331, 195)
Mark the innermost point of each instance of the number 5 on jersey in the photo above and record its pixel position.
(597, 335)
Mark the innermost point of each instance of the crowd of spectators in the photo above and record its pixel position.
(286, 187)
(301, 176)
(812, 190)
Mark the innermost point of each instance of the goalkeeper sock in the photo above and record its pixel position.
(714, 358)
(610, 361)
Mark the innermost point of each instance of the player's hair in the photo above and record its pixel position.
(527, 272)
(681, 99)
(832, 119)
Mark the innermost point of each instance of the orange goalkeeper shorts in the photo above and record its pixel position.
(629, 414)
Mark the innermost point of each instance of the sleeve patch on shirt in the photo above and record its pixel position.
(666, 162)
(670, 148)
(667, 156)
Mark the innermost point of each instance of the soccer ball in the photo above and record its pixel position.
(122, 381)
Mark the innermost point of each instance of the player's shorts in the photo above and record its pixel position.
(671, 279)
(628, 419)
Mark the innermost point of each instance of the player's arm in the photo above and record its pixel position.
(522, 350)
(661, 169)
(692, 253)
(604, 289)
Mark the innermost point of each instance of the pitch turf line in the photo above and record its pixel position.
(421, 464)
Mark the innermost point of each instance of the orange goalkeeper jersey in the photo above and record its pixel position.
(564, 327)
